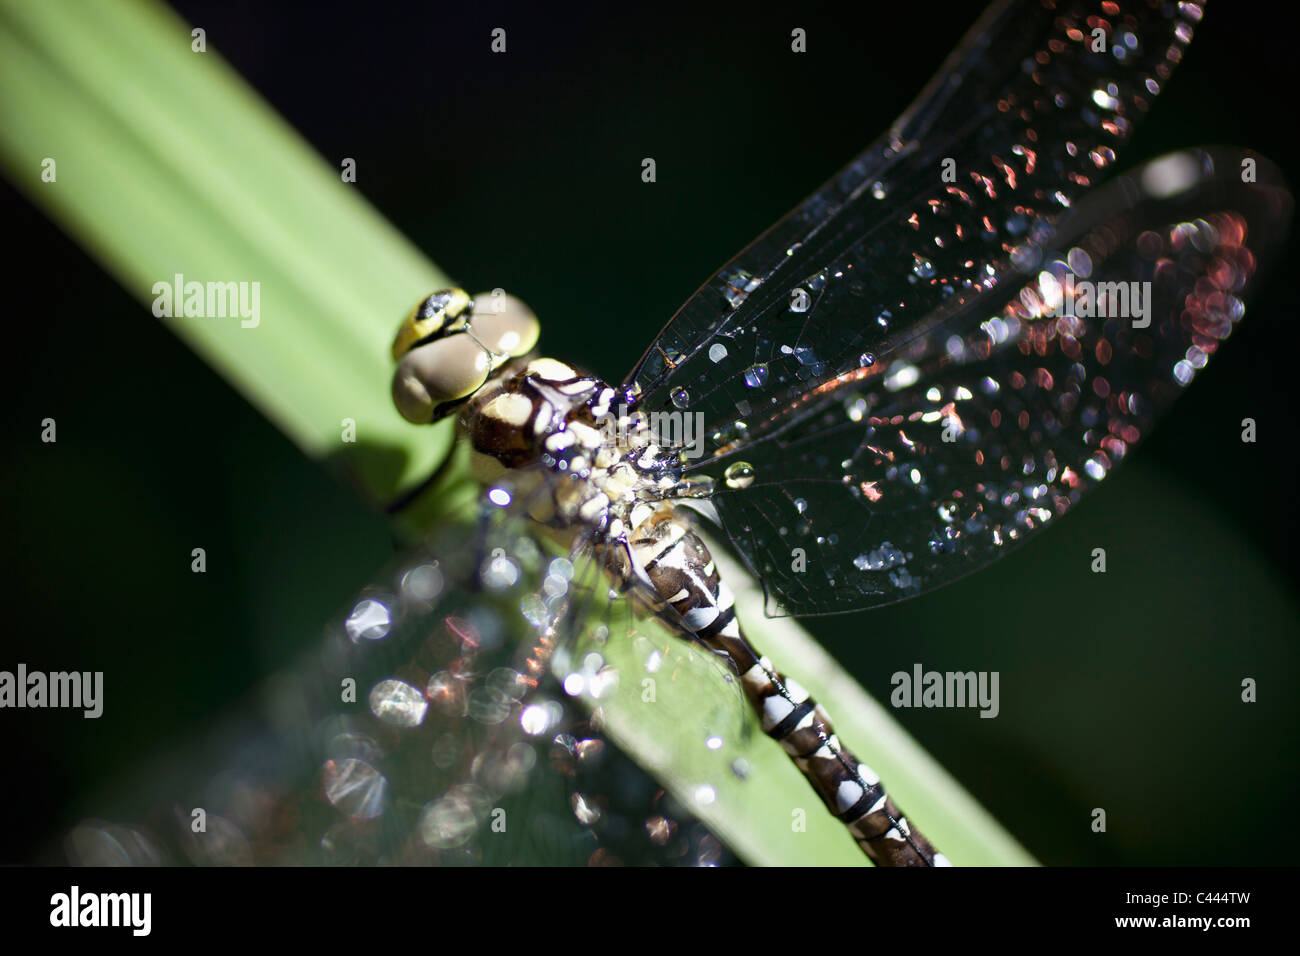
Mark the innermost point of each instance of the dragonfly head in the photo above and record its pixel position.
(450, 345)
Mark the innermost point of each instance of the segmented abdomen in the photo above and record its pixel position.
(673, 560)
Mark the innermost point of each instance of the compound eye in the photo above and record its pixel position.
(504, 324)
(438, 372)
(437, 315)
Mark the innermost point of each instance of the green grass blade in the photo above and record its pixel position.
(168, 164)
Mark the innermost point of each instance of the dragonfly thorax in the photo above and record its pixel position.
(593, 461)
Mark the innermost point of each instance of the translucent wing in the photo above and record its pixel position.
(995, 422)
(1021, 121)
(430, 727)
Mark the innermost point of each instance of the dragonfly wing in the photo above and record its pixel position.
(340, 759)
(997, 421)
(429, 727)
(1024, 118)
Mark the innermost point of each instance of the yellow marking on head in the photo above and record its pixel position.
(443, 311)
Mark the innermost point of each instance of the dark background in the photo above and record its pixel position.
(1119, 691)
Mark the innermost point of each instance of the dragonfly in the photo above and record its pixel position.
(925, 364)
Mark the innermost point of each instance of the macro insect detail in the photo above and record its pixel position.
(927, 362)
(542, 415)
(907, 376)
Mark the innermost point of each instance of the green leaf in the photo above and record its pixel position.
(167, 164)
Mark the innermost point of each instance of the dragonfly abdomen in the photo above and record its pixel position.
(693, 599)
